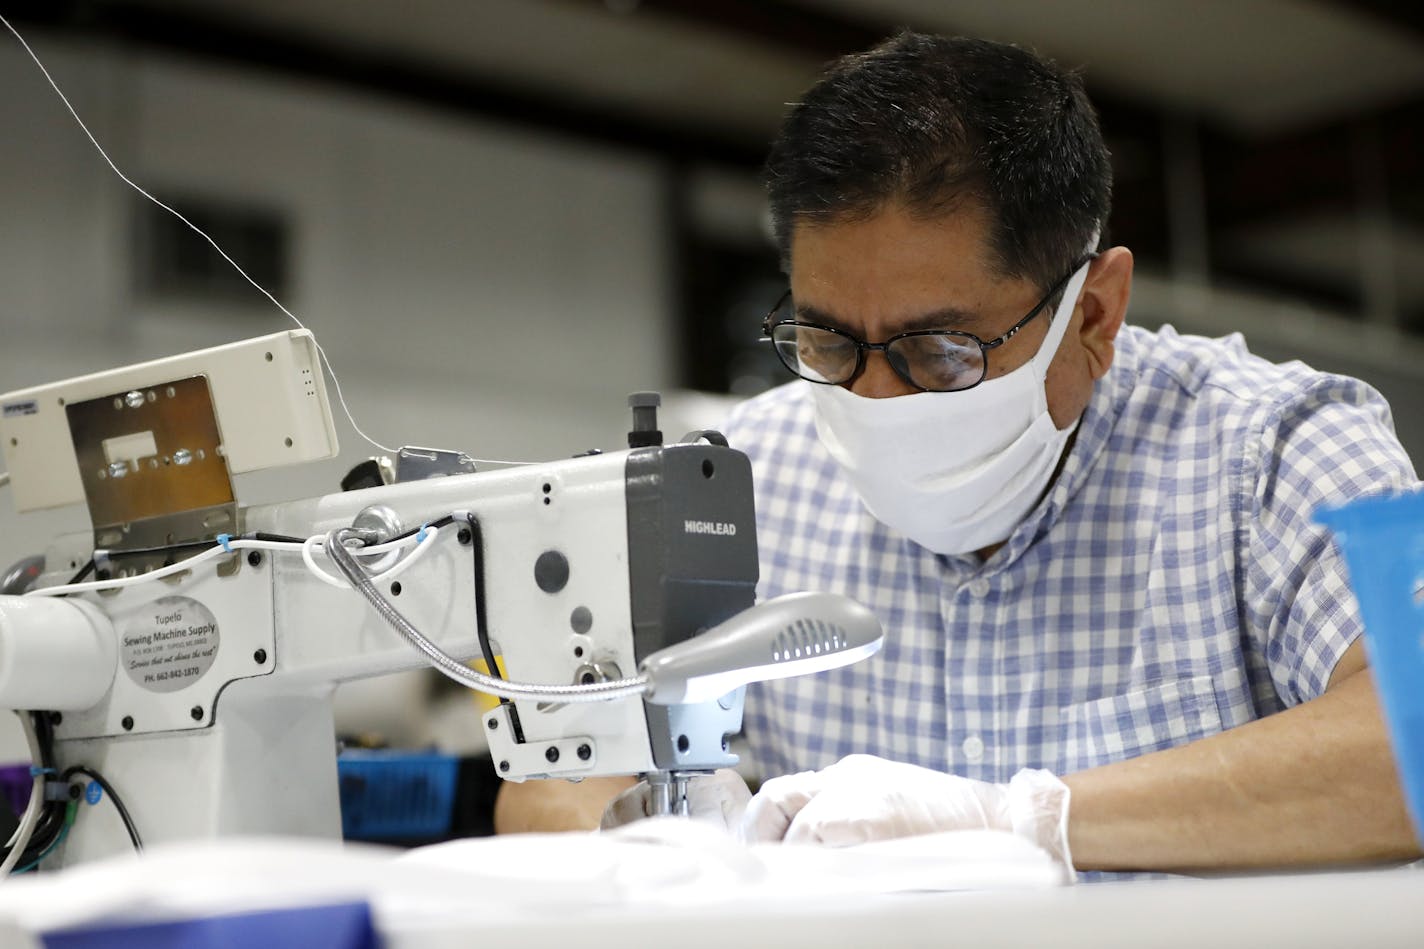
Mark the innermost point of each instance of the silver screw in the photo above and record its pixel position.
(118, 469)
(134, 399)
(182, 457)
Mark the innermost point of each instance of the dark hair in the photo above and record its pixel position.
(932, 122)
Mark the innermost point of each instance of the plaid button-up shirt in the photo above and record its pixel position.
(1170, 584)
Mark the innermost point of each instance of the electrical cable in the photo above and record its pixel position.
(276, 538)
(477, 547)
(70, 810)
(167, 548)
(21, 838)
(477, 544)
(220, 549)
(259, 541)
(52, 819)
(84, 571)
(160, 573)
(453, 668)
(421, 545)
(108, 788)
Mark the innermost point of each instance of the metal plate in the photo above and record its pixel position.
(241, 644)
(147, 455)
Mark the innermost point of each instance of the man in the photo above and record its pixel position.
(1112, 626)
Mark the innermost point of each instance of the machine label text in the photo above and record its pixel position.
(709, 527)
(16, 409)
(171, 646)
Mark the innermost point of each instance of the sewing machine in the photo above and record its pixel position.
(193, 660)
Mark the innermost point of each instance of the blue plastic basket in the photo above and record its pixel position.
(396, 795)
(1383, 542)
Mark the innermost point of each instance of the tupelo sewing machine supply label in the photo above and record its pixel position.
(171, 646)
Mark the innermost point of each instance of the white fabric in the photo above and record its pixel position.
(953, 471)
(861, 799)
(511, 881)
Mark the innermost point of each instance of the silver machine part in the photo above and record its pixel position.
(667, 793)
(595, 692)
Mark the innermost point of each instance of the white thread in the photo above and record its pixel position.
(336, 382)
(197, 230)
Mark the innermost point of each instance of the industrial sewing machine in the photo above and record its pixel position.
(192, 656)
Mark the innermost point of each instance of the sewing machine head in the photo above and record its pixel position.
(195, 667)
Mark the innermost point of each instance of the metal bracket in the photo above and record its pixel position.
(420, 464)
(566, 757)
(151, 461)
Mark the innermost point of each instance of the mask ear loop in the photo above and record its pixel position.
(1057, 329)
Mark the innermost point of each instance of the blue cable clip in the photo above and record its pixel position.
(223, 539)
(93, 792)
(421, 534)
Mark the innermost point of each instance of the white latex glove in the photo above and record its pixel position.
(719, 798)
(863, 798)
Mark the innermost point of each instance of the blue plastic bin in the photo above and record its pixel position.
(1383, 542)
(396, 795)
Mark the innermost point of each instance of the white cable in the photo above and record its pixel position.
(122, 582)
(385, 562)
(27, 724)
(458, 671)
(310, 561)
(21, 838)
(390, 574)
(218, 550)
(197, 230)
(424, 544)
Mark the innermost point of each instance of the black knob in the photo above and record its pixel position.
(645, 420)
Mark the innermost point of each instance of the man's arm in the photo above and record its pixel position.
(553, 805)
(1315, 784)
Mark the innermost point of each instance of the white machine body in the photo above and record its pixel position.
(214, 714)
(197, 676)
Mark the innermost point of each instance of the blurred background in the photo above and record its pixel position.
(502, 216)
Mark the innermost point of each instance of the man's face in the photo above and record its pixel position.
(894, 272)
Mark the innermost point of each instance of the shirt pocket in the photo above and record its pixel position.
(1135, 723)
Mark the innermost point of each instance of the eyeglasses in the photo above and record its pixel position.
(929, 360)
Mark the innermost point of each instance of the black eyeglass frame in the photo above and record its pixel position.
(862, 347)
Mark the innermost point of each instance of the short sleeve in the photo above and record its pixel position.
(1331, 441)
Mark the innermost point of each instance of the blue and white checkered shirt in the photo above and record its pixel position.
(1170, 585)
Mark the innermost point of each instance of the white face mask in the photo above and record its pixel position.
(953, 471)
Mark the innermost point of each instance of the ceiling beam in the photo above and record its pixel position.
(1246, 180)
(219, 37)
(1399, 14)
(796, 28)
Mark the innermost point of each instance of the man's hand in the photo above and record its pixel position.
(862, 798)
(553, 806)
(719, 798)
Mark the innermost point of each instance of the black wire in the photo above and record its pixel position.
(88, 569)
(108, 789)
(445, 521)
(477, 546)
(165, 548)
(51, 819)
(274, 538)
